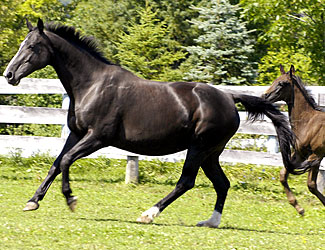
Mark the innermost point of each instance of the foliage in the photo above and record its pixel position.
(221, 55)
(147, 50)
(105, 20)
(269, 68)
(292, 28)
(177, 15)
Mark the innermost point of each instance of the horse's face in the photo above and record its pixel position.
(34, 53)
(281, 88)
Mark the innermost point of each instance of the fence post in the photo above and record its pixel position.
(321, 178)
(65, 131)
(272, 144)
(132, 170)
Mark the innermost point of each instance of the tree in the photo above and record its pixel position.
(177, 14)
(292, 31)
(222, 51)
(105, 20)
(147, 50)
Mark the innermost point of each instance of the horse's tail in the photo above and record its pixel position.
(257, 107)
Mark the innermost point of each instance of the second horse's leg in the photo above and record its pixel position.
(312, 177)
(290, 196)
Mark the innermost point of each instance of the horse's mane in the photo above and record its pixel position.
(306, 93)
(84, 42)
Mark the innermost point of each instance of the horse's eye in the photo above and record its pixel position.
(35, 48)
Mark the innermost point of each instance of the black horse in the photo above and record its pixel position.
(110, 106)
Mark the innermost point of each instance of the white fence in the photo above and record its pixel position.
(29, 145)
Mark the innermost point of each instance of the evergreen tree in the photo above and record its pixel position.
(147, 50)
(222, 51)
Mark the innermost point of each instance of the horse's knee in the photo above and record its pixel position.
(185, 184)
(65, 162)
(54, 171)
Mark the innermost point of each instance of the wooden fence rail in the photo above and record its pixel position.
(29, 145)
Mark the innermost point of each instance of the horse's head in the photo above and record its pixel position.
(282, 87)
(34, 53)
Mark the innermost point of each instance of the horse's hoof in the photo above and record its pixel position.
(207, 224)
(145, 219)
(30, 206)
(149, 215)
(72, 203)
(301, 211)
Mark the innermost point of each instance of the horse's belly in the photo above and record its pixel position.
(154, 150)
(156, 144)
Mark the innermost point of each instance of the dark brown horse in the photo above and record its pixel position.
(110, 106)
(307, 121)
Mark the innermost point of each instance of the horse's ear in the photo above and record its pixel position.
(292, 71)
(282, 69)
(40, 26)
(29, 25)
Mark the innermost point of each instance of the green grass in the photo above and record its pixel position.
(256, 214)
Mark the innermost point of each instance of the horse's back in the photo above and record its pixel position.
(167, 116)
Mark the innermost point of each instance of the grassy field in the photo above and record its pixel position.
(256, 214)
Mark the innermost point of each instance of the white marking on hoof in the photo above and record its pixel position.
(213, 222)
(30, 206)
(149, 215)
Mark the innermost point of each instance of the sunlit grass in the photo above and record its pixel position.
(256, 214)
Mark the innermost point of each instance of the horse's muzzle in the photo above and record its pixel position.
(10, 77)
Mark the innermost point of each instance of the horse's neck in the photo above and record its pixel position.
(73, 67)
(300, 110)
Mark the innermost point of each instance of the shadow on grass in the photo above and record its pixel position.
(136, 223)
(194, 226)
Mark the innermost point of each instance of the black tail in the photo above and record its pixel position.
(257, 107)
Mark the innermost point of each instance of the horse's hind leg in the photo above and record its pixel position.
(191, 167)
(312, 180)
(221, 184)
(32, 204)
(290, 196)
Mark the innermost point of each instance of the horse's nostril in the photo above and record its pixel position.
(9, 75)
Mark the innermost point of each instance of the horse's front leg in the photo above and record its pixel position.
(32, 204)
(290, 196)
(87, 145)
